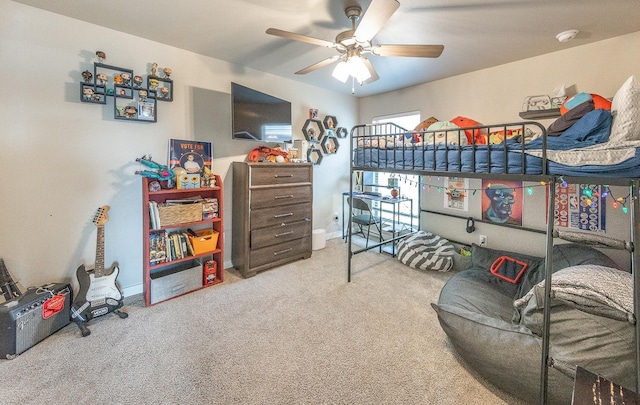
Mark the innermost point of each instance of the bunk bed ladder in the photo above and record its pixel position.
(545, 362)
(635, 259)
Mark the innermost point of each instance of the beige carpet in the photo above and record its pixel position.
(298, 334)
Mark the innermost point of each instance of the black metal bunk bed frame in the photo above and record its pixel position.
(379, 132)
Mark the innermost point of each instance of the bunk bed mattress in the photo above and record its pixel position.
(468, 159)
(482, 159)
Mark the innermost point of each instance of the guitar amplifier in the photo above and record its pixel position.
(33, 316)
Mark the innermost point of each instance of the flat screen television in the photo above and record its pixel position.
(259, 117)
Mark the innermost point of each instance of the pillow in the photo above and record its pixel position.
(597, 290)
(568, 119)
(446, 132)
(600, 103)
(565, 255)
(497, 137)
(473, 135)
(417, 137)
(626, 112)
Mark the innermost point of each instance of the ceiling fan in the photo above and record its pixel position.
(356, 42)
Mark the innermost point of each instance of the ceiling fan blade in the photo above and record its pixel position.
(372, 71)
(301, 38)
(416, 51)
(377, 14)
(318, 65)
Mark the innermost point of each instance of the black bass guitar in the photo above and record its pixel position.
(99, 293)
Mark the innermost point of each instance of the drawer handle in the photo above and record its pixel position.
(277, 176)
(289, 214)
(283, 196)
(284, 234)
(282, 251)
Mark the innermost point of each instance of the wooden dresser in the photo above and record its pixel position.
(272, 214)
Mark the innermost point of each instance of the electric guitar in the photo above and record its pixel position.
(99, 294)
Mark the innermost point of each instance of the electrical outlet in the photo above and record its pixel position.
(483, 240)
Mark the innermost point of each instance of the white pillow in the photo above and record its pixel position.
(626, 112)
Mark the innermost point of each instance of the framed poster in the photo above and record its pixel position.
(455, 196)
(192, 156)
(502, 202)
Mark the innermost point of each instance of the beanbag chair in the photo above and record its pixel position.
(426, 251)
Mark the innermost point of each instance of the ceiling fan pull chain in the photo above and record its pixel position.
(353, 85)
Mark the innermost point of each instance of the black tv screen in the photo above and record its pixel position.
(259, 117)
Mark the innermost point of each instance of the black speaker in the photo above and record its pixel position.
(33, 316)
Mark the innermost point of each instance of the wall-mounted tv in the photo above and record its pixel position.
(258, 116)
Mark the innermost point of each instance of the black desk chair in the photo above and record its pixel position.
(362, 216)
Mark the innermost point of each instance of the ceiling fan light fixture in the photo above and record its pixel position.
(341, 71)
(358, 69)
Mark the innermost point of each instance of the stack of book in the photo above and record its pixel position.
(168, 246)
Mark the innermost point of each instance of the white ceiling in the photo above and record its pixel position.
(476, 34)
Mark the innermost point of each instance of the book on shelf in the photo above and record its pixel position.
(157, 248)
(187, 200)
(154, 215)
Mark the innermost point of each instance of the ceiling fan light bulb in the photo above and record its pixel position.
(341, 71)
(358, 69)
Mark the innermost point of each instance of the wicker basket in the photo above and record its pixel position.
(179, 213)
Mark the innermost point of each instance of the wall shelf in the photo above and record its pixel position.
(540, 114)
(131, 101)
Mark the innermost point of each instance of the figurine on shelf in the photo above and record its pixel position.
(117, 79)
(208, 179)
(126, 78)
(131, 111)
(101, 56)
(120, 110)
(87, 93)
(87, 76)
(142, 94)
(102, 78)
(153, 84)
(160, 172)
(164, 92)
(137, 80)
(154, 69)
(167, 72)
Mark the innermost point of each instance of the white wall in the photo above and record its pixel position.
(63, 159)
(495, 95)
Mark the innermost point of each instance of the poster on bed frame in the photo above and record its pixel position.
(502, 202)
(574, 210)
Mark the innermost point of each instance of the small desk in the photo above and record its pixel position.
(395, 210)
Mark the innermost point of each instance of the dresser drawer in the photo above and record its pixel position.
(280, 174)
(280, 214)
(277, 196)
(280, 233)
(294, 249)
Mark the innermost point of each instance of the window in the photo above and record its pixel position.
(408, 185)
